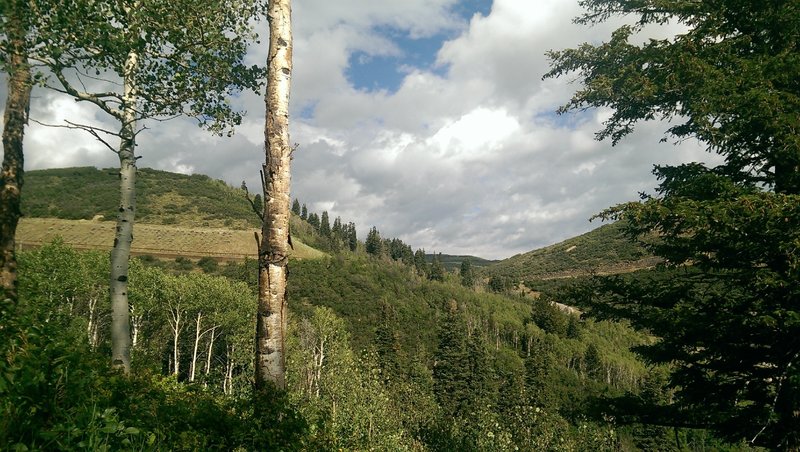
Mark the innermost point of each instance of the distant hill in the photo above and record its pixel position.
(176, 214)
(162, 197)
(602, 251)
(452, 262)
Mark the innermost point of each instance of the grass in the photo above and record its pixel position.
(152, 239)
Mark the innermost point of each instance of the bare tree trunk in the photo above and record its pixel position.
(197, 325)
(11, 178)
(210, 350)
(92, 327)
(273, 253)
(120, 253)
(176, 334)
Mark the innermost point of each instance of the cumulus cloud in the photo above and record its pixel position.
(465, 156)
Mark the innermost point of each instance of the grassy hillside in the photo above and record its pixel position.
(162, 197)
(600, 251)
(452, 262)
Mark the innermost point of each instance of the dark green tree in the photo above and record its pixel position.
(467, 274)
(313, 220)
(352, 237)
(374, 244)
(420, 263)
(258, 203)
(451, 371)
(437, 269)
(296, 207)
(304, 213)
(325, 224)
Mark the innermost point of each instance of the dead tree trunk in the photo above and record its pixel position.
(11, 178)
(273, 253)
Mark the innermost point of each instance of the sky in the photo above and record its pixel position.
(427, 119)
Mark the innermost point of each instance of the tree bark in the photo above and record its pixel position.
(273, 253)
(120, 253)
(11, 178)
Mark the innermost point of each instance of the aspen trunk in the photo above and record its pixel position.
(273, 253)
(120, 253)
(11, 178)
(176, 335)
(197, 335)
(210, 350)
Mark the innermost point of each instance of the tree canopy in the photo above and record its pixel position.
(730, 80)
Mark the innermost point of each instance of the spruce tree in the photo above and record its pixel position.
(437, 269)
(304, 213)
(374, 244)
(466, 273)
(296, 207)
(325, 225)
(352, 238)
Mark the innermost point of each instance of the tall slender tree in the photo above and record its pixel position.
(15, 62)
(136, 60)
(273, 253)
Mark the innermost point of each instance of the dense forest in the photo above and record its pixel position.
(674, 327)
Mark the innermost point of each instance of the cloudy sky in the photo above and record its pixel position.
(428, 119)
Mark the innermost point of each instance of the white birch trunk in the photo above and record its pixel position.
(120, 321)
(197, 335)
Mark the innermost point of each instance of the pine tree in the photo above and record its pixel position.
(304, 213)
(451, 369)
(374, 244)
(296, 207)
(325, 225)
(313, 220)
(352, 238)
(466, 273)
(420, 263)
(437, 269)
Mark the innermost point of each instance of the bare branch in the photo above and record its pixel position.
(95, 131)
(252, 203)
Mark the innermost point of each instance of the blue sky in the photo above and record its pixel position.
(428, 119)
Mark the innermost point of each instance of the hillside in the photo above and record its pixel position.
(162, 198)
(453, 262)
(177, 214)
(601, 251)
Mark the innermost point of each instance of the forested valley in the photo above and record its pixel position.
(674, 326)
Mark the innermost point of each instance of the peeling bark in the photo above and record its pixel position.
(11, 178)
(273, 253)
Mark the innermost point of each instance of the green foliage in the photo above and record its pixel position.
(728, 79)
(373, 244)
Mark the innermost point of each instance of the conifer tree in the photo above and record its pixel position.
(325, 225)
(451, 371)
(352, 238)
(466, 273)
(374, 244)
(304, 213)
(296, 207)
(437, 269)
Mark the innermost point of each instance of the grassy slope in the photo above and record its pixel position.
(601, 251)
(162, 197)
(177, 214)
